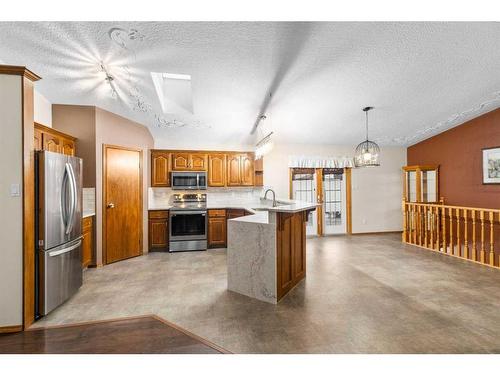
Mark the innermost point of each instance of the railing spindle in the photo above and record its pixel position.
(492, 253)
(437, 228)
(443, 219)
(459, 243)
(482, 253)
(466, 243)
(474, 249)
(426, 224)
(452, 249)
(431, 245)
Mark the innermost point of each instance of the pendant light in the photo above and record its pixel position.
(266, 143)
(367, 152)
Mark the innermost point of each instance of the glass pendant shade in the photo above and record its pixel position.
(367, 153)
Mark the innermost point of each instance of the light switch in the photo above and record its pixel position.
(15, 190)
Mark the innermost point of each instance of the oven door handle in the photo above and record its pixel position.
(187, 212)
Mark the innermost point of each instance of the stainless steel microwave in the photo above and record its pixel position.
(189, 180)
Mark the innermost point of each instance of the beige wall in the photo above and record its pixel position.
(115, 130)
(376, 192)
(42, 109)
(79, 121)
(11, 208)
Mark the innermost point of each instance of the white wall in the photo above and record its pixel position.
(376, 192)
(43, 109)
(11, 208)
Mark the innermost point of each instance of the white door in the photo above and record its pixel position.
(304, 189)
(334, 201)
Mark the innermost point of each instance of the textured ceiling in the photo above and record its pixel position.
(422, 78)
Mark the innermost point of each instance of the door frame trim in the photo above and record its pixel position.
(319, 193)
(105, 147)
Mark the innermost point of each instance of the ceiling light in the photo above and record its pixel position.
(367, 152)
(109, 79)
(266, 143)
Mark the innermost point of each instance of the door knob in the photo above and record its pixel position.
(111, 205)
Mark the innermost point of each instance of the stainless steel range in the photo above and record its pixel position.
(188, 222)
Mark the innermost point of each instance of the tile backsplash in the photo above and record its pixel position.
(164, 195)
(89, 199)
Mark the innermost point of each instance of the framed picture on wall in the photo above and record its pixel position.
(491, 165)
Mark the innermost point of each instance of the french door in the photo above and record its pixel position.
(303, 187)
(330, 188)
(334, 201)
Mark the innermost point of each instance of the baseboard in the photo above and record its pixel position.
(382, 232)
(11, 329)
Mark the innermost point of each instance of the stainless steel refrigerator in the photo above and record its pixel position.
(59, 236)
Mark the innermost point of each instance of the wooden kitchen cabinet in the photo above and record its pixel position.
(224, 168)
(240, 169)
(217, 170)
(160, 168)
(158, 230)
(189, 161)
(217, 228)
(87, 241)
(49, 139)
(291, 250)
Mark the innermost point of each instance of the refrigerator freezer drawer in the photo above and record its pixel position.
(60, 275)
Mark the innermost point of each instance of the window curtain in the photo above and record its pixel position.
(320, 162)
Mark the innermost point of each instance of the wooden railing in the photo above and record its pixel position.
(464, 232)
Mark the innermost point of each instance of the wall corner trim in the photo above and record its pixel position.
(20, 71)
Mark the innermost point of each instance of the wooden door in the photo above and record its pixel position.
(180, 161)
(68, 147)
(122, 183)
(216, 232)
(198, 162)
(160, 169)
(217, 170)
(247, 170)
(51, 142)
(233, 170)
(158, 230)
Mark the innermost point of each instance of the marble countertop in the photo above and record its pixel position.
(259, 217)
(254, 205)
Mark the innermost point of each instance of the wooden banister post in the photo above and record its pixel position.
(459, 242)
(466, 243)
(492, 253)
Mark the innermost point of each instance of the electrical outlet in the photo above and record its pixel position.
(15, 190)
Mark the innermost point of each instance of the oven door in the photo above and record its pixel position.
(188, 225)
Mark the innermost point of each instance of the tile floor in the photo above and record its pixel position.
(362, 294)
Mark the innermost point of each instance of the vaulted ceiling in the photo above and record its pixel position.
(422, 78)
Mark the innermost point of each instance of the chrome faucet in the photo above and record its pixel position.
(274, 196)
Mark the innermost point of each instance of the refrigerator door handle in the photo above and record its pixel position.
(65, 250)
(64, 198)
(72, 207)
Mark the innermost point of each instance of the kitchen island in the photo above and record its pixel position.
(266, 251)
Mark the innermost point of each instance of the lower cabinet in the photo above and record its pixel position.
(217, 228)
(87, 241)
(290, 251)
(158, 230)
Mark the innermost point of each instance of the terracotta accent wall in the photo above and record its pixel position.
(458, 152)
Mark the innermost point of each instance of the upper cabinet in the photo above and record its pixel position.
(240, 169)
(217, 170)
(421, 183)
(189, 161)
(223, 168)
(160, 168)
(49, 139)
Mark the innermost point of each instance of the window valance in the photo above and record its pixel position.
(320, 162)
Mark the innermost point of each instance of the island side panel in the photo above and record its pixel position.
(291, 251)
(251, 259)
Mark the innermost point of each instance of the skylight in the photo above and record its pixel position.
(174, 92)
